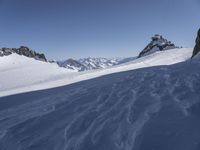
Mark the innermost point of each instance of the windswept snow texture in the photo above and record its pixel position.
(21, 74)
(155, 108)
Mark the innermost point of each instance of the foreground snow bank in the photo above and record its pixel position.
(21, 74)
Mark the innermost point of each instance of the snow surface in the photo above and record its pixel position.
(153, 108)
(20, 74)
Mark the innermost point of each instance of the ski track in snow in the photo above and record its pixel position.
(112, 112)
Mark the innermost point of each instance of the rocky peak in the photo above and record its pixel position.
(197, 46)
(23, 50)
(158, 43)
(157, 37)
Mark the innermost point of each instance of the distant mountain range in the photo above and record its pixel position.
(92, 63)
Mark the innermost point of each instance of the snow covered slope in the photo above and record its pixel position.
(154, 108)
(19, 71)
(20, 74)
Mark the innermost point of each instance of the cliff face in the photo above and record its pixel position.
(158, 43)
(25, 51)
(197, 46)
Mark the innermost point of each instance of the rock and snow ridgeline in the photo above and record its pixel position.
(158, 43)
(23, 50)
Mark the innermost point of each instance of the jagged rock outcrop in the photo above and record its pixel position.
(158, 43)
(197, 46)
(23, 50)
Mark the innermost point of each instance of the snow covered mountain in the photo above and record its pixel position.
(92, 63)
(97, 63)
(152, 108)
(158, 43)
(22, 74)
(72, 64)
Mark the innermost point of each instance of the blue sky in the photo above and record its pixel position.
(100, 28)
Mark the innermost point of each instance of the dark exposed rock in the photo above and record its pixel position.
(197, 46)
(40, 57)
(25, 51)
(158, 43)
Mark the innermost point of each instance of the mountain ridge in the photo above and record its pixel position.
(157, 43)
(23, 50)
(92, 63)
